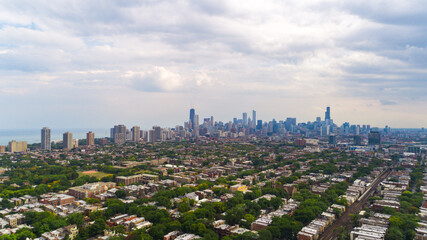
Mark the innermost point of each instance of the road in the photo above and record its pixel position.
(355, 208)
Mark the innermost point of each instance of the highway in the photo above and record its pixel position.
(355, 208)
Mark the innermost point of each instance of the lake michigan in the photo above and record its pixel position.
(34, 135)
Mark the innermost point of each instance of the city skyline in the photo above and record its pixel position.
(213, 120)
(119, 134)
(283, 59)
(239, 115)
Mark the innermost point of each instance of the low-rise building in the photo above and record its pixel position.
(238, 187)
(90, 190)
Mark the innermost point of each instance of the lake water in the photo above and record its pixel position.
(34, 135)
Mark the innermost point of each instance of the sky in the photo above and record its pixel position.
(98, 63)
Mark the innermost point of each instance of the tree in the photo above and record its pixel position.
(249, 217)
(264, 203)
(202, 186)
(119, 229)
(337, 212)
(184, 206)
(24, 233)
(247, 236)
(276, 202)
(210, 235)
(394, 233)
(355, 218)
(265, 235)
(233, 215)
(92, 200)
(173, 226)
(121, 193)
(285, 228)
(342, 235)
(96, 215)
(108, 178)
(114, 209)
(83, 233)
(6, 204)
(97, 227)
(76, 218)
(164, 201)
(157, 231)
(198, 228)
(7, 237)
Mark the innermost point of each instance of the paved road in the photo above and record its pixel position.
(344, 219)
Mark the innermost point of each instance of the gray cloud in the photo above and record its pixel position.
(216, 53)
(387, 102)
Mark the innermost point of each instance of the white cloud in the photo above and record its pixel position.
(215, 54)
(157, 79)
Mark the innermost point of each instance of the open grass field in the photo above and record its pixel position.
(94, 173)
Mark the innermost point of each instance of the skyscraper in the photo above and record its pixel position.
(328, 113)
(245, 119)
(90, 139)
(151, 137)
(196, 125)
(119, 134)
(136, 133)
(235, 121)
(157, 133)
(67, 141)
(290, 123)
(374, 138)
(259, 125)
(253, 118)
(192, 114)
(45, 139)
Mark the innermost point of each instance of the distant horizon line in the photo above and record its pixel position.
(107, 128)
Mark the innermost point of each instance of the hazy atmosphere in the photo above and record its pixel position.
(99, 63)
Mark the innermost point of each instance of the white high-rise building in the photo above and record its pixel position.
(196, 125)
(245, 119)
(45, 139)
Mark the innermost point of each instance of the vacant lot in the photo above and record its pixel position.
(94, 173)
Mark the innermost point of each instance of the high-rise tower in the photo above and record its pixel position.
(245, 119)
(90, 139)
(196, 126)
(67, 141)
(118, 133)
(328, 113)
(253, 118)
(45, 139)
(192, 114)
(136, 133)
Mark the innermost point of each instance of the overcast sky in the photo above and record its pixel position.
(99, 63)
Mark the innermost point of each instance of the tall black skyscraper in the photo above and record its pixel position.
(328, 113)
(192, 114)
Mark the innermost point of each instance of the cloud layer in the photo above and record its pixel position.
(97, 63)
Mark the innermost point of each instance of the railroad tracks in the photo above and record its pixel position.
(345, 218)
